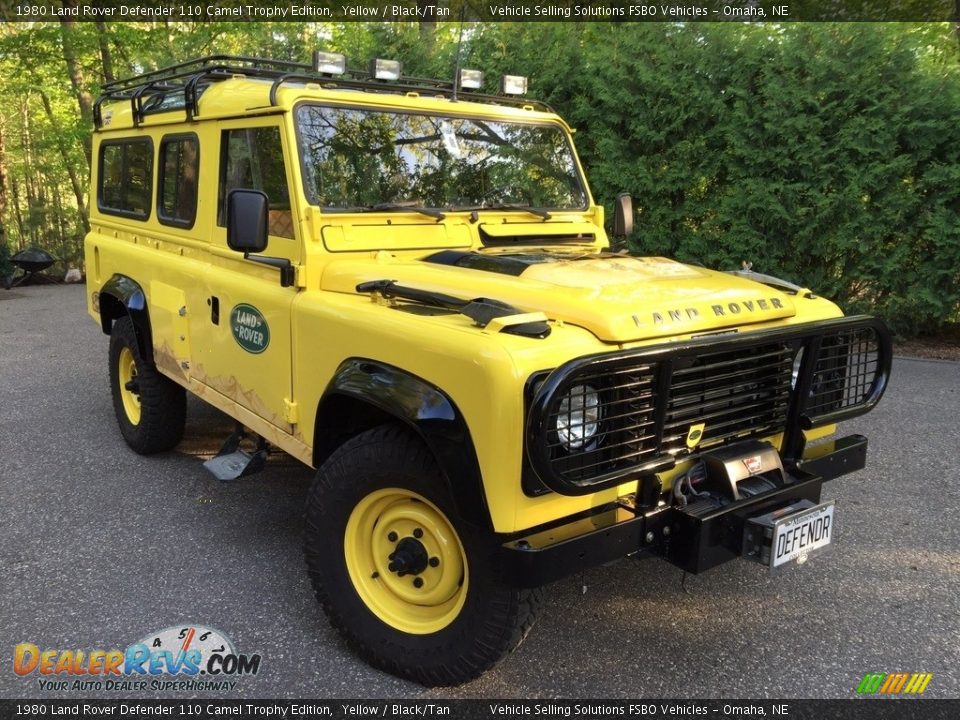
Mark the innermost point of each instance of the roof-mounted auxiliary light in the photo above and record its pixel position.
(382, 69)
(329, 63)
(513, 85)
(471, 79)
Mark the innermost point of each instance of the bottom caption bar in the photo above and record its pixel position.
(853, 709)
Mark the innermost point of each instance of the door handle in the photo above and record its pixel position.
(214, 303)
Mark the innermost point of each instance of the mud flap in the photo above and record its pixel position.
(232, 462)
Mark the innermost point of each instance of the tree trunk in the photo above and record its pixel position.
(66, 249)
(17, 214)
(29, 172)
(3, 174)
(428, 27)
(171, 48)
(71, 171)
(3, 186)
(106, 57)
(74, 71)
(956, 19)
(131, 69)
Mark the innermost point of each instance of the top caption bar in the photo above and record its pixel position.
(482, 10)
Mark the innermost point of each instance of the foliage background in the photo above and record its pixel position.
(827, 154)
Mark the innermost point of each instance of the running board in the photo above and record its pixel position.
(232, 463)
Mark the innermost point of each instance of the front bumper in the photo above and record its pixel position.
(693, 541)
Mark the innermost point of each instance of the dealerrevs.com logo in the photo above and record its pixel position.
(186, 658)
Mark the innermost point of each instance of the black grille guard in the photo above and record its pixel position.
(843, 373)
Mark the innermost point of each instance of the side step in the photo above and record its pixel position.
(232, 463)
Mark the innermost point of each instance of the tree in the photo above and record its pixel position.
(827, 153)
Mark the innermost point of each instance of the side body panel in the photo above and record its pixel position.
(241, 315)
(181, 272)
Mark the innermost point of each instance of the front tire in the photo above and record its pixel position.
(151, 409)
(413, 589)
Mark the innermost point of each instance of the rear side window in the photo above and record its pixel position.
(177, 191)
(253, 159)
(126, 176)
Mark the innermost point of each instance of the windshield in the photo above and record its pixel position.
(360, 159)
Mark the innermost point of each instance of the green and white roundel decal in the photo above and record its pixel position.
(249, 328)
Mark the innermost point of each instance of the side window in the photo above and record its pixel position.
(126, 176)
(177, 185)
(253, 159)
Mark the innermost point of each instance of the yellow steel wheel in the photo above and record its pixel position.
(150, 408)
(127, 374)
(406, 561)
(443, 613)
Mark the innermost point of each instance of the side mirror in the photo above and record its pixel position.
(247, 212)
(622, 215)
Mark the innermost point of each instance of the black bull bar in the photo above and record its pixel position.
(693, 543)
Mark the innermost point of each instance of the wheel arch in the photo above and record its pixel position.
(366, 393)
(122, 295)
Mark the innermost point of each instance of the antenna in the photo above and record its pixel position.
(456, 71)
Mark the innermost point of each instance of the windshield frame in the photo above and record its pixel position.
(557, 124)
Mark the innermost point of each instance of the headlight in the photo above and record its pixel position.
(796, 369)
(578, 418)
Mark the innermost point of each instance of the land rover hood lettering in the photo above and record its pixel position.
(719, 310)
(617, 298)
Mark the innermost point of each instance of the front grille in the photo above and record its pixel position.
(735, 394)
(596, 420)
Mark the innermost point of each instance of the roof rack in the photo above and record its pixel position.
(179, 87)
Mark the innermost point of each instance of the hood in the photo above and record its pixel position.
(617, 298)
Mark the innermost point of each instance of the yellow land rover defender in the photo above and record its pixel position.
(407, 285)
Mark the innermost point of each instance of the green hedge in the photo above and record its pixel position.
(827, 154)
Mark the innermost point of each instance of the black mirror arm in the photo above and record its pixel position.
(282, 264)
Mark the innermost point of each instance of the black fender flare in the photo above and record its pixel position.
(429, 412)
(122, 295)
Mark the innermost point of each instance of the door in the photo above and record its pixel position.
(242, 347)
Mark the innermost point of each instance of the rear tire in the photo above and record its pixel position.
(151, 409)
(443, 616)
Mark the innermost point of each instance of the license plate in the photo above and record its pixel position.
(796, 537)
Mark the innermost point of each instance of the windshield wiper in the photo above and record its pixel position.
(539, 212)
(400, 206)
(390, 289)
(480, 310)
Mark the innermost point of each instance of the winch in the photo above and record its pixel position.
(732, 503)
